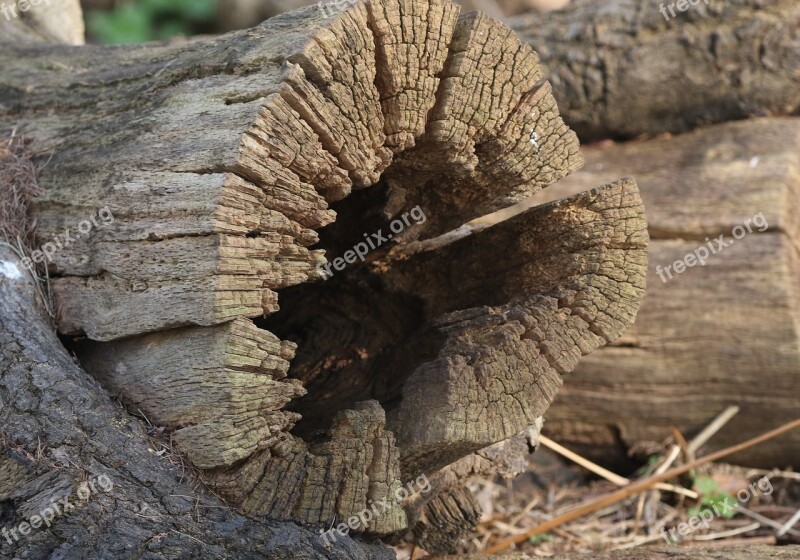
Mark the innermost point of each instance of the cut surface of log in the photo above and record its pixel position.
(622, 68)
(724, 333)
(211, 180)
(59, 432)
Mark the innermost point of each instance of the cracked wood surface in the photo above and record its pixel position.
(620, 69)
(233, 166)
(65, 429)
(716, 335)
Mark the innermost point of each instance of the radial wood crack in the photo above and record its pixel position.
(233, 166)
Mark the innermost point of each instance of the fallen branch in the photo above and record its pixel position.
(638, 487)
(613, 478)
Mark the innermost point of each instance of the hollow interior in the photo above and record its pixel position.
(357, 339)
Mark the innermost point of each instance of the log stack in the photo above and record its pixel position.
(622, 68)
(718, 330)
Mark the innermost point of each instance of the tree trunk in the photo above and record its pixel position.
(620, 69)
(201, 175)
(721, 334)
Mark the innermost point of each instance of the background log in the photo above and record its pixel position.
(716, 335)
(620, 69)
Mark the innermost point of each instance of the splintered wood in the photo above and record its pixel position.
(232, 165)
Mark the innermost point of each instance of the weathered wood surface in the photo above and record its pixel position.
(441, 520)
(239, 409)
(716, 335)
(56, 21)
(620, 69)
(59, 430)
(234, 166)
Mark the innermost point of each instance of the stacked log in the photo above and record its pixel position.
(720, 328)
(623, 68)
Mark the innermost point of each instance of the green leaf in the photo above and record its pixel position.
(158, 6)
(536, 539)
(718, 500)
(705, 485)
(172, 29)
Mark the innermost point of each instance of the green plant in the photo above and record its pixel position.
(536, 539)
(711, 497)
(147, 20)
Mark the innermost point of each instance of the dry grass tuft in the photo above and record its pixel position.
(18, 186)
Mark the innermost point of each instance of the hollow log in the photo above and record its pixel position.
(724, 333)
(209, 180)
(621, 69)
(441, 520)
(59, 432)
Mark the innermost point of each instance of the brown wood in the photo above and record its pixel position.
(234, 166)
(59, 430)
(716, 335)
(57, 21)
(620, 69)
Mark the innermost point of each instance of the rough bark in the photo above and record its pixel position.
(59, 430)
(716, 335)
(620, 69)
(232, 166)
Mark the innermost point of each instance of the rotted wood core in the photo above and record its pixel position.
(247, 293)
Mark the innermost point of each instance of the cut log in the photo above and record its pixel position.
(620, 69)
(442, 519)
(59, 431)
(237, 406)
(716, 335)
(223, 172)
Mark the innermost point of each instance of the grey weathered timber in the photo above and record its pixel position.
(712, 336)
(59, 431)
(620, 69)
